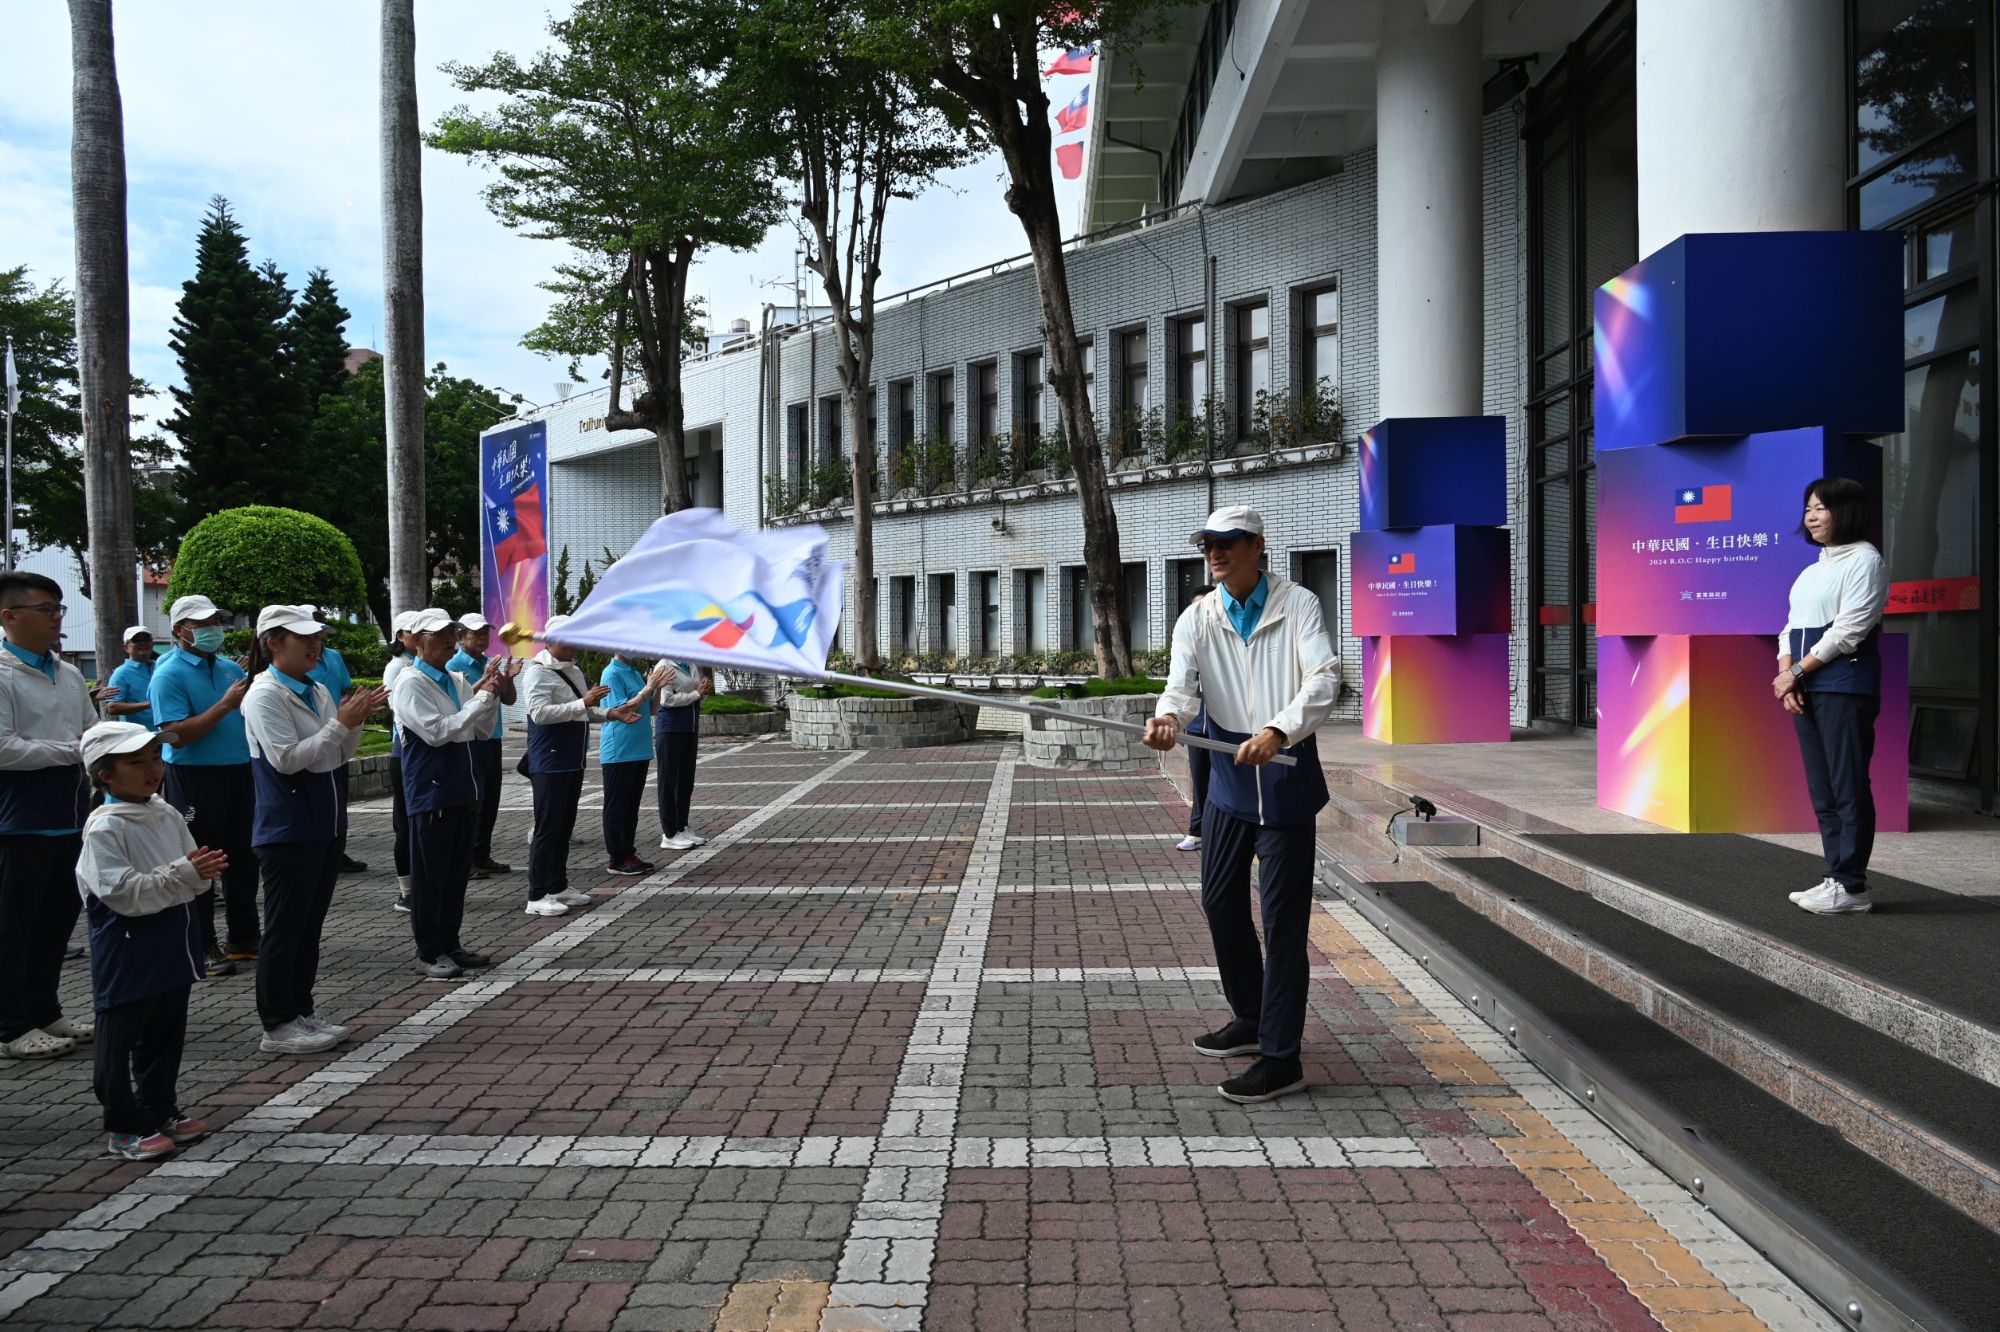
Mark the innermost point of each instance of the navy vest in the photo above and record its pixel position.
(137, 957)
(44, 800)
(557, 748)
(677, 721)
(294, 807)
(1857, 672)
(437, 776)
(1271, 796)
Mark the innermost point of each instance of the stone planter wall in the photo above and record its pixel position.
(879, 723)
(368, 777)
(744, 723)
(1053, 743)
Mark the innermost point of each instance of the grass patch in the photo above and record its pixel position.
(849, 691)
(726, 705)
(1098, 687)
(373, 741)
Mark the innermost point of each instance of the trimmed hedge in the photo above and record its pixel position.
(723, 705)
(246, 559)
(1099, 688)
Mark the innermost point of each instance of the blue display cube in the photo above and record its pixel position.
(1431, 580)
(1429, 471)
(1740, 332)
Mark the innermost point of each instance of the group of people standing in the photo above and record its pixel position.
(209, 775)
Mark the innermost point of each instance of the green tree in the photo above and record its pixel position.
(48, 452)
(315, 342)
(634, 143)
(238, 418)
(248, 558)
(854, 134)
(986, 58)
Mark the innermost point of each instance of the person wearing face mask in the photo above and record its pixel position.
(44, 708)
(197, 694)
(561, 707)
(300, 742)
(441, 714)
(132, 683)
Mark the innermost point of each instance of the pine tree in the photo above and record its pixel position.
(238, 420)
(316, 342)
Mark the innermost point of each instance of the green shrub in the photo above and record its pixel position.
(246, 559)
(1101, 688)
(848, 691)
(723, 705)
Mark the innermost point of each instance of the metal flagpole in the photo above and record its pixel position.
(511, 633)
(13, 391)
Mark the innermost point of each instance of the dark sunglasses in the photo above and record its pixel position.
(1218, 543)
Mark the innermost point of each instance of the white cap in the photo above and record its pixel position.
(137, 630)
(556, 622)
(401, 623)
(292, 619)
(474, 622)
(429, 621)
(113, 737)
(1229, 520)
(192, 608)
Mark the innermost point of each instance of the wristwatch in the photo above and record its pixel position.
(1798, 669)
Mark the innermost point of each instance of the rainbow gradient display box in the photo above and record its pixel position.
(1435, 690)
(1430, 580)
(1427, 471)
(1740, 332)
(1703, 537)
(1690, 737)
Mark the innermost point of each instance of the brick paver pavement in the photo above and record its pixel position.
(905, 1046)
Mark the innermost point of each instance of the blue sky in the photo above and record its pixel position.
(275, 107)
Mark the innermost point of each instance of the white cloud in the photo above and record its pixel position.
(275, 107)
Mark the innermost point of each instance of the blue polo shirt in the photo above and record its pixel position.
(472, 668)
(185, 685)
(45, 662)
(625, 742)
(332, 672)
(134, 682)
(443, 679)
(1244, 614)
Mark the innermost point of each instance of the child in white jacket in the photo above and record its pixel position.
(139, 875)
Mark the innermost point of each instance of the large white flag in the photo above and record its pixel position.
(699, 589)
(13, 382)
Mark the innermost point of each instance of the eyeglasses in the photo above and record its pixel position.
(1218, 543)
(55, 610)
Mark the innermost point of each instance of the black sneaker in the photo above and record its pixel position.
(471, 961)
(1238, 1038)
(403, 903)
(441, 969)
(218, 964)
(486, 869)
(629, 865)
(1265, 1080)
(349, 865)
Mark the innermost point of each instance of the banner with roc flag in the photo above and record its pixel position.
(699, 589)
(514, 491)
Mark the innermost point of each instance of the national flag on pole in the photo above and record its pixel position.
(699, 589)
(1074, 116)
(13, 382)
(1069, 158)
(1076, 60)
(515, 528)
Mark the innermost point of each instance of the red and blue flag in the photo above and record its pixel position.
(1405, 563)
(1074, 116)
(1076, 60)
(515, 528)
(1702, 504)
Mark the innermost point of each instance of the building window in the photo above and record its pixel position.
(1319, 348)
(1190, 365)
(1077, 633)
(1086, 353)
(986, 381)
(1253, 364)
(903, 393)
(986, 614)
(944, 407)
(1028, 413)
(1031, 611)
(903, 614)
(1131, 390)
(944, 614)
(829, 430)
(1139, 620)
(795, 444)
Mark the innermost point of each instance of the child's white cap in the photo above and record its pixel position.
(105, 739)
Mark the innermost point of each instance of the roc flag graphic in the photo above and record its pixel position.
(1069, 160)
(515, 528)
(1074, 116)
(1076, 60)
(1702, 504)
(698, 589)
(1405, 563)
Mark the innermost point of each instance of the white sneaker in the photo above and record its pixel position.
(296, 1038)
(547, 906)
(571, 897)
(1830, 899)
(314, 1022)
(1802, 893)
(678, 842)
(1189, 843)
(696, 838)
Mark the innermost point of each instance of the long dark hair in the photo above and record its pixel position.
(1846, 502)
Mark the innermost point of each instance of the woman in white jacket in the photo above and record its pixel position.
(299, 741)
(1830, 679)
(139, 874)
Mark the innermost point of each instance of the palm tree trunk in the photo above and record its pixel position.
(103, 321)
(403, 307)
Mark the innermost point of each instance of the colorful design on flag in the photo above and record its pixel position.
(724, 623)
(1702, 504)
(1076, 60)
(1074, 116)
(515, 528)
(1069, 160)
(514, 490)
(1404, 563)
